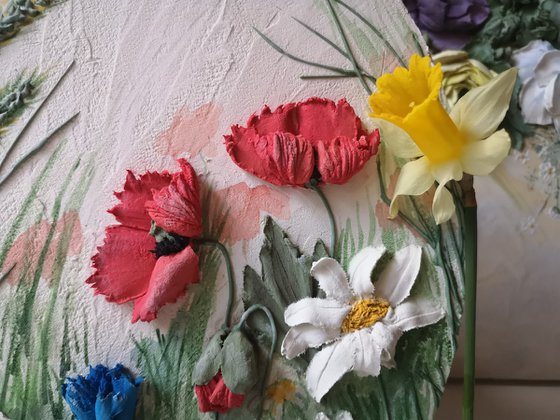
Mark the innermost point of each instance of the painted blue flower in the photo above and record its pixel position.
(104, 394)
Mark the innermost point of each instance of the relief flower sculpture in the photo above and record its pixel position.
(304, 144)
(148, 258)
(415, 125)
(359, 322)
(539, 71)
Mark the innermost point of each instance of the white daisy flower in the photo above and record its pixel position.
(358, 324)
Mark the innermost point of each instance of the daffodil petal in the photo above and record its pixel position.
(481, 110)
(399, 143)
(482, 157)
(444, 172)
(301, 337)
(332, 279)
(327, 313)
(415, 179)
(443, 206)
(361, 267)
(415, 312)
(396, 279)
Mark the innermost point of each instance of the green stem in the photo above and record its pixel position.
(229, 268)
(274, 338)
(349, 53)
(469, 203)
(313, 186)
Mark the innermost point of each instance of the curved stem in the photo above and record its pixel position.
(229, 269)
(274, 338)
(332, 220)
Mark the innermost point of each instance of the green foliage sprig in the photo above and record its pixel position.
(19, 13)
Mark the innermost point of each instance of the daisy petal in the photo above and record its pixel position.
(415, 179)
(547, 68)
(482, 157)
(332, 279)
(367, 356)
(386, 337)
(396, 280)
(169, 280)
(124, 264)
(398, 141)
(329, 365)
(361, 267)
(301, 337)
(552, 96)
(414, 313)
(327, 313)
(481, 110)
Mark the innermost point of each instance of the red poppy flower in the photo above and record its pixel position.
(131, 265)
(216, 396)
(299, 141)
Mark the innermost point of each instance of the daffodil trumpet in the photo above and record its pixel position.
(441, 146)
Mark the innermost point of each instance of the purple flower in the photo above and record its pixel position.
(448, 23)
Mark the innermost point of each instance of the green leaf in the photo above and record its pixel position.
(239, 363)
(210, 361)
(285, 279)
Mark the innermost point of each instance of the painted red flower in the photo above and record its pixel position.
(148, 257)
(216, 396)
(299, 141)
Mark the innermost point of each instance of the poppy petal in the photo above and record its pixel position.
(123, 264)
(130, 211)
(279, 158)
(176, 207)
(170, 277)
(341, 159)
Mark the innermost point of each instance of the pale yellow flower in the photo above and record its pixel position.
(461, 73)
(415, 125)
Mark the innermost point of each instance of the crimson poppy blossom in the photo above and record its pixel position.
(148, 257)
(216, 396)
(315, 139)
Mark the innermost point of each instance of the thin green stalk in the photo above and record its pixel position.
(30, 120)
(314, 187)
(229, 268)
(274, 338)
(374, 30)
(36, 149)
(469, 203)
(349, 53)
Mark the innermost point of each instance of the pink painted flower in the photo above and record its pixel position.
(148, 258)
(315, 139)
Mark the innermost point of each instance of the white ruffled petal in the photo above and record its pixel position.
(301, 337)
(547, 68)
(398, 277)
(332, 279)
(415, 312)
(552, 96)
(385, 337)
(326, 313)
(526, 58)
(329, 365)
(361, 267)
(531, 101)
(482, 157)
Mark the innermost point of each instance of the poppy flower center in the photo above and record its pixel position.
(365, 313)
(167, 243)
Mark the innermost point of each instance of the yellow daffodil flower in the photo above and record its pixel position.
(415, 125)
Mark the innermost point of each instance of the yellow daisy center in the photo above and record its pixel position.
(365, 313)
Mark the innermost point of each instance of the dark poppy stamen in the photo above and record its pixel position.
(167, 243)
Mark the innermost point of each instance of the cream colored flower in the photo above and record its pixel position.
(358, 324)
(415, 125)
(461, 73)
